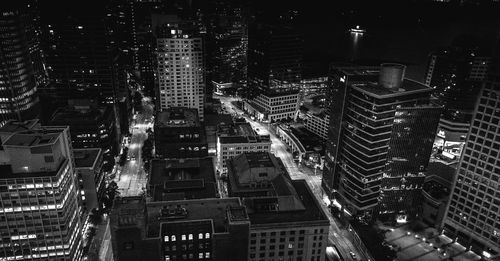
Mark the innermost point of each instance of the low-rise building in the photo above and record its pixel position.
(178, 179)
(287, 222)
(212, 121)
(273, 107)
(200, 229)
(318, 123)
(179, 134)
(238, 138)
(88, 165)
(91, 126)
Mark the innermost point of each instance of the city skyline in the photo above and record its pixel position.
(249, 130)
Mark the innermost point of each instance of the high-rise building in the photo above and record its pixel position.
(472, 218)
(180, 65)
(378, 158)
(18, 90)
(274, 58)
(40, 192)
(79, 52)
(227, 43)
(338, 80)
(455, 73)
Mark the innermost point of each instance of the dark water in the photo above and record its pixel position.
(404, 32)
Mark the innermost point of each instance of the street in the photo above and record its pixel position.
(131, 177)
(342, 238)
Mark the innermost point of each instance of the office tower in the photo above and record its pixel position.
(40, 192)
(472, 217)
(339, 79)
(179, 134)
(286, 221)
(455, 73)
(379, 157)
(18, 90)
(180, 64)
(238, 138)
(274, 58)
(227, 43)
(79, 52)
(198, 229)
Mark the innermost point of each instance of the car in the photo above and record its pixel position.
(132, 158)
(353, 255)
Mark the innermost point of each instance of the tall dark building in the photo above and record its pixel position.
(456, 74)
(384, 133)
(274, 58)
(79, 52)
(472, 217)
(227, 42)
(18, 90)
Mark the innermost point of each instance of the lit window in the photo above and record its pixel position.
(200, 236)
(190, 237)
(166, 239)
(207, 255)
(173, 238)
(200, 256)
(207, 235)
(167, 258)
(183, 237)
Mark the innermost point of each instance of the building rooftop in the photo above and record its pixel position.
(86, 158)
(7, 173)
(311, 212)
(239, 132)
(67, 115)
(178, 117)
(193, 210)
(13, 126)
(174, 179)
(374, 89)
(359, 70)
(216, 119)
(269, 194)
(31, 138)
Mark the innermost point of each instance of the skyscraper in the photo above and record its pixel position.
(180, 65)
(79, 52)
(378, 158)
(473, 213)
(39, 216)
(18, 96)
(274, 58)
(455, 73)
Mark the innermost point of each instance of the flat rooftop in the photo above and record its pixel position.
(239, 132)
(30, 139)
(214, 209)
(86, 158)
(311, 213)
(172, 179)
(216, 119)
(13, 126)
(376, 90)
(68, 114)
(7, 173)
(178, 117)
(359, 70)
